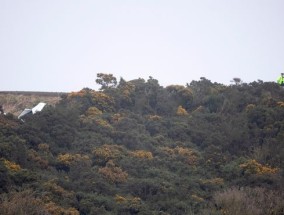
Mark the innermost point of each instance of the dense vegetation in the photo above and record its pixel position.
(135, 147)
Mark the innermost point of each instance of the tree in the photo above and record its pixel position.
(237, 81)
(106, 81)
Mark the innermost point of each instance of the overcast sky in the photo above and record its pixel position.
(60, 45)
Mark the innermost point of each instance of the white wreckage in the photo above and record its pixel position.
(35, 109)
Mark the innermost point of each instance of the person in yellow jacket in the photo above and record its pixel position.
(280, 80)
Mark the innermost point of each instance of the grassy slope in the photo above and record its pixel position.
(15, 102)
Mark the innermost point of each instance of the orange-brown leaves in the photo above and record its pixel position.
(213, 181)
(36, 158)
(253, 167)
(21, 202)
(181, 111)
(197, 198)
(117, 117)
(250, 107)
(120, 199)
(107, 152)
(131, 201)
(127, 88)
(103, 101)
(142, 154)
(94, 115)
(10, 165)
(184, 92)
(100, 100)
(113, 173)
(52, 186)
(55, 209)
(43, 147)
(69, 159)
(154, 117)
(93, 112)
(280, 104)
(189, 155)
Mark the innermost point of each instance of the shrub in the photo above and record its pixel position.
(247, 201)
(22, 203)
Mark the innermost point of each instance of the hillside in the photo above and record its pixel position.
(135, 147)
(16, 101)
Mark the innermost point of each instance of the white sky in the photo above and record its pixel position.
(60, 45)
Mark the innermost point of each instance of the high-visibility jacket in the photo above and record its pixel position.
(280, 80)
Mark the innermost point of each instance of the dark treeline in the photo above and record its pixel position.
(135, 147)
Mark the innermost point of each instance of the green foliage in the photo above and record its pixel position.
(106, 80)
(138, 148)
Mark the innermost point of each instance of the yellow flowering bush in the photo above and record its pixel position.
(181, 111)
(106, 152)
(142, 154)
(68, 159)
(12, 165)
(253, 167)
(189, 155)
(113, 173)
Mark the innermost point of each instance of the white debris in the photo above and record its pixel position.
(35, 109)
